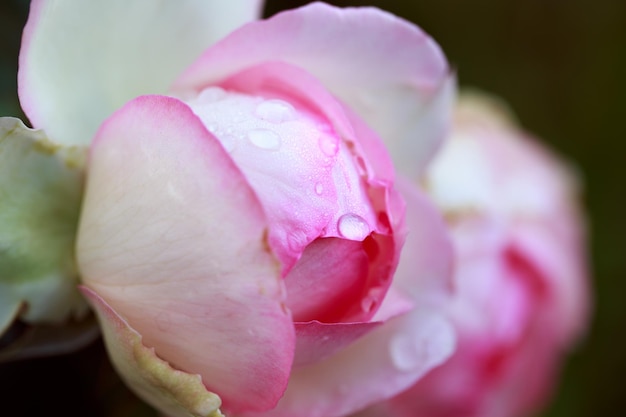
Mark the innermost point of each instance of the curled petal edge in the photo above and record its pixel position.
(174, 392)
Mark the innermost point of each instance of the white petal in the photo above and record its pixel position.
(81, 60)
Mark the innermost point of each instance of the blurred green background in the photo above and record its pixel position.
(560, 64)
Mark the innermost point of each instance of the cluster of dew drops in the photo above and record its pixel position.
(227, 115)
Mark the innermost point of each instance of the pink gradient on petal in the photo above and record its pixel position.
(521, 297)
(294, 85)
(340, 280)
(378, 365)
(158, 242)
(426, 268)
(384, 68)
(327, 280)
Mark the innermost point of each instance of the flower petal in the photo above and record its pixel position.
(384, 68)
(174, 239)
(562, 264)
(425, 270)
(174, 392)
(328, 279)
(395, 356)
(81, 61)
(40, 192)
(317, 341)
(319, 174)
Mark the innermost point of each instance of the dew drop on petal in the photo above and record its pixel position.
(353, 227)
(214, 128)
(408, 353)
(228, 142)
(275, 111)
(211, 94)
(430, 342)
(371, 300)
(368, 304)
(329, 145)
(319, 188)
(264, 139)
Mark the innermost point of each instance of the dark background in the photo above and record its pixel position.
(561, 65)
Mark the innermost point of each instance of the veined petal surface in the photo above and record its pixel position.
(175, 241)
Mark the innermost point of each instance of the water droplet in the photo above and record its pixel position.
(368, 304)
(264, 139)
(228, 142)
(329, 145)
(214, 128)
(319, 189)
(211, 94)
(353, 227)
(239, 116)
(275, 111)
(409, 352)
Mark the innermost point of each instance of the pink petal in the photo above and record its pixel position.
(425, 271)
(316, 341)
(174, 239)
(81, 61)
(382, 363)
(171, 391)
(320, 177)
(340, 280)
(328, 280)
(384, 68)
(563, 269)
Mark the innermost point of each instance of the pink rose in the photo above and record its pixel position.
(239, 235)
(521, 295)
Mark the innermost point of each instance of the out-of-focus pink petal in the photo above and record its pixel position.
(491, 167)
(383, 362)
(520, 295)
(174, 239)
(384, 68)
(80, 61)
(425, 271)
(501, 310)
(562, 264)
(173, 391)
